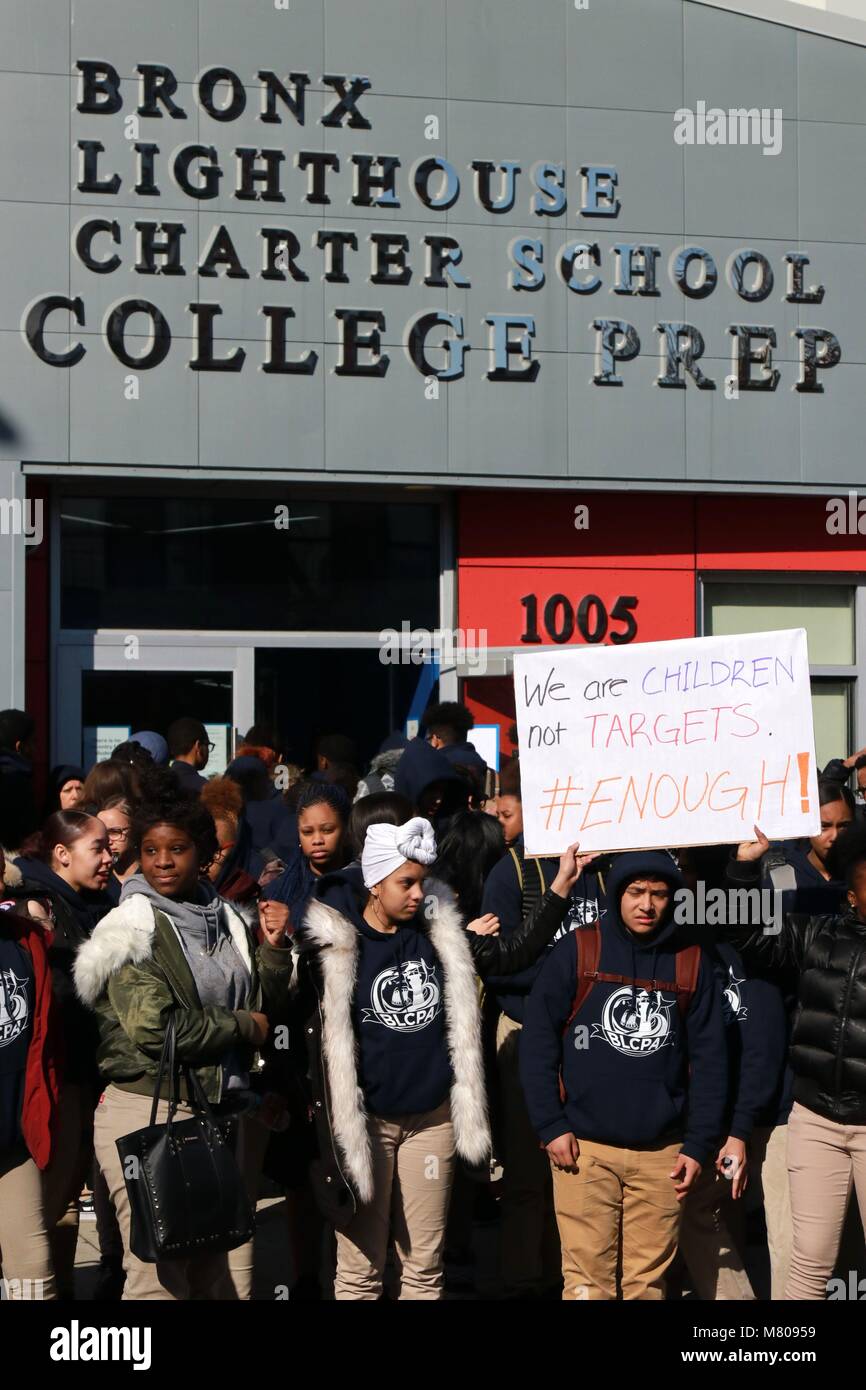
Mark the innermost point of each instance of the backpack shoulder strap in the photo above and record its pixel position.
(688, 969)
(587, 949)
(533, 886)
(587, 945)
(518, 864)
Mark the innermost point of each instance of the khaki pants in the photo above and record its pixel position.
(708, 1242)
(768, 1165)
(204, 1277)
(531, 1259)
(65, 1176)
(825, 1160)
(25, 1254)
(618, 1197)
(413, 1168)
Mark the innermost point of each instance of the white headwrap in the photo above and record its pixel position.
(386, 847)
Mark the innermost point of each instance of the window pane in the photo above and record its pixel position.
(826, 611)
(831, 712)
(205, 563)
(306, 693)
(154, 699)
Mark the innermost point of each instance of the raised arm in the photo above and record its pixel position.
(494, 955)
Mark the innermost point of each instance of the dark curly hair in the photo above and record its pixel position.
(162, 804)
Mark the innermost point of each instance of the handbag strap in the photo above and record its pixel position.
(197, 1098)
(195, 1091)
(166, 1060)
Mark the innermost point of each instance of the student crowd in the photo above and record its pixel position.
(416, 1028)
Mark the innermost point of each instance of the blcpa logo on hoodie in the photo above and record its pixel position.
(404, 1000)
(635, 1022)
(13, 1006)
(732, 1000)
(582, 912)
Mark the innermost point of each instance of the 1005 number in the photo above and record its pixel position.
(591, 619)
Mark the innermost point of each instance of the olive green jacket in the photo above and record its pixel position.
(133, 974)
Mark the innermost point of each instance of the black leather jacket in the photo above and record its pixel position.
(508, 955)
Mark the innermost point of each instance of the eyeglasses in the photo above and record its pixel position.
(117, 834)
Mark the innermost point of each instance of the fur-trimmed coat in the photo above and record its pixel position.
(327, 952)
(133, 974)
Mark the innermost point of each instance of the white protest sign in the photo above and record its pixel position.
(666, 744)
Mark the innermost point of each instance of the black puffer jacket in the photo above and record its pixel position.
(828, 1043)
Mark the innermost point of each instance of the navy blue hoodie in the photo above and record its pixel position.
(814, 893)
(465, 755)
(397, 1009)
(627, 1057)
(16, 1031)
(756, 1029)
(272, 826)
(503, 897)
(422, 764)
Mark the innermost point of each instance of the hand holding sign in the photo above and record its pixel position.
(571, 866)
(750, 850)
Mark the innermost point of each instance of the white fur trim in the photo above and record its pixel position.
(336, 938)
(124, 935)
(462, 1026)
(329, 932)
(13, 877)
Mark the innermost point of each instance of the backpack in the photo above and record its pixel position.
(588, 939)
(531, 890)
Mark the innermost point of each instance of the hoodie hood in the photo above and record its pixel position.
(86, 905)
(343, 891)
(649, 864)
(59, 776)
(386, 761)
(465, 755)
(807, 875)
(155, 745)
(202, 919)
(395, 740)
(420, 765)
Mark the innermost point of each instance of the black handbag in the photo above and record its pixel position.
(186, 1193)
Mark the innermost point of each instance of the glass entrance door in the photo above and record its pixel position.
(306, 692)
(105, 695)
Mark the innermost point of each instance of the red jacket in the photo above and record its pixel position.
(42, 1078)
